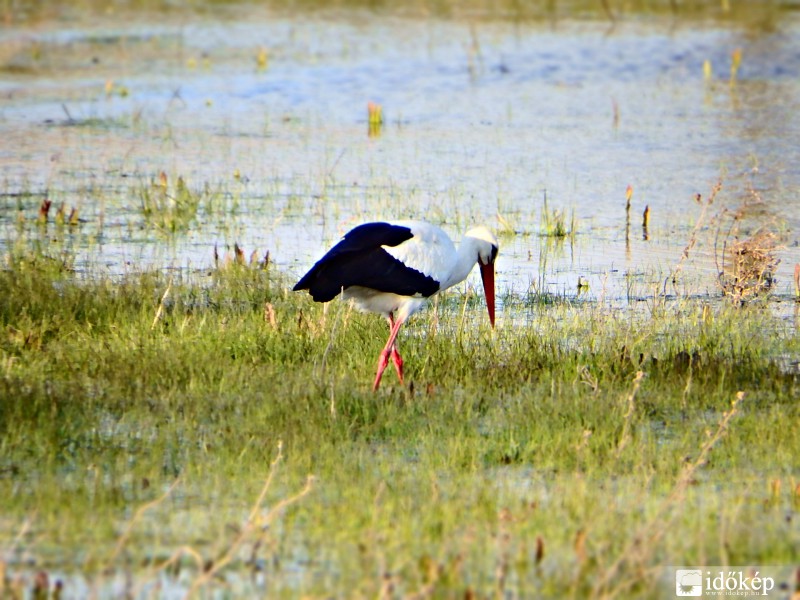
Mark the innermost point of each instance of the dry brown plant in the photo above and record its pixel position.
(748, 265)
(746, 262)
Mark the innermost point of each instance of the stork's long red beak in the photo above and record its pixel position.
(487, 275)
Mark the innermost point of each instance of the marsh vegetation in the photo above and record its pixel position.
(576, 455)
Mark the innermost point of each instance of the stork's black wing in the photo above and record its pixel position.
(359, 259)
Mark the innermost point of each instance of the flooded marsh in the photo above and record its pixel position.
(174, 421)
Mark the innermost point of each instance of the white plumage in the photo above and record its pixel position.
(392, 268)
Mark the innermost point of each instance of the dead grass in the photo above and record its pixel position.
(746, 262)
(749, 265)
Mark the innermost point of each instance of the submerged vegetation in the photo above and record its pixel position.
(574, 455)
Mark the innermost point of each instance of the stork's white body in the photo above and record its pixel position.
(392, 268)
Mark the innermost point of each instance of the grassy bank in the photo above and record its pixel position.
(161, 432)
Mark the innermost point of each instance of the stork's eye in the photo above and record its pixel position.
(491, 258)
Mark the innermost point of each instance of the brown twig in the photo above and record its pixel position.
(642, 544)
(625, 437)
(160, 310)
(123, 539)
(693, 237)
(253, 523)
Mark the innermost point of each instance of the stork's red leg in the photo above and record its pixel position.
(398, 363)
(396, 358)
(389, 349)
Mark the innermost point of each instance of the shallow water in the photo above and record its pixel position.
(482, 118)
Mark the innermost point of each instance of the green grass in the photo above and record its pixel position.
(529, 461)
(172, 208)
(554, 222)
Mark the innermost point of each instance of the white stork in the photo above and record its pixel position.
(392, 268)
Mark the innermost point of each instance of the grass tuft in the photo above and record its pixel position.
(556, 224)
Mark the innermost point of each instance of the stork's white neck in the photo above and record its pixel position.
(476, 242)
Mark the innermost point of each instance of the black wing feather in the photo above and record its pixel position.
(359, 259)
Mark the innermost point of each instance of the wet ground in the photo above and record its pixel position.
(263, 113)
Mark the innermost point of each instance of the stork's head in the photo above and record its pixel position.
(487, 247)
